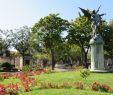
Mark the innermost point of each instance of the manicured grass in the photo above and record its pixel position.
(10, 80)
(105, 78)
(60, 77)
(64, 92)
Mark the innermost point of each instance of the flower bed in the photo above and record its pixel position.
(26, 82)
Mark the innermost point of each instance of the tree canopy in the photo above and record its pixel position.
(49, 30)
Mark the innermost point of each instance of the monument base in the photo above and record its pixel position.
(100, 71)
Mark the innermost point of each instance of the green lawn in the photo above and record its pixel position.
(60, 77)
(64, 92)
(105, 78)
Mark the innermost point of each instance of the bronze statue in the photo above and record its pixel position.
(94, 18)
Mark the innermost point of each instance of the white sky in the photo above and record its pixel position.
(16, 13)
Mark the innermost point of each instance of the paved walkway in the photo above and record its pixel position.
(61, 67)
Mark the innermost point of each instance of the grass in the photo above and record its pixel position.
(60, 77)
(64, 92)
(10, 80)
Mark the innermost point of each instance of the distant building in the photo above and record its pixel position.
(17, 62)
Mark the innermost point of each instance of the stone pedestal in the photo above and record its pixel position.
(97, 54)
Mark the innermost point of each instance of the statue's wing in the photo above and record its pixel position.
(79, 14)
(86, 13)
(102, 14)
(98, 9)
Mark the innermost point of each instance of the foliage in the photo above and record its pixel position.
(2, 90)
(48, 31)
(66, 85)
(26, 68)
(1, 78)
(12, 89)
(5, 41)
(84, 73)
(78, 85)
(107, 34)
(27, 83)
(68, 53)
(101, 87)
(80, 34)
(41, 56)
(21, 40)
(6, 66)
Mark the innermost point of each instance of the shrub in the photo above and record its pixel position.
(1, 78)
(2, 90)
(66, 85)
(95, 86)
(43, 85)
(78, 85)
(105, 88)
(12, 89)
(26, 68)
(101, 87)
(84, 73)
(6, 75)
(6, 66)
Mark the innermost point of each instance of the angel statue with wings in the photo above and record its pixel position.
(94, 18)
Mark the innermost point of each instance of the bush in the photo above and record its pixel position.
(84, 73)
(6, 66)
(12, 89)
(1, 78)
(78, 85)
(101, 87)
(2, 90)
(36, 67)
(26, 68)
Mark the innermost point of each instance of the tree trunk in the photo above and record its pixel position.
(23, 60)
(82, 57)
(85, 60)
(53, 59)
(71, 62)
(14, 62)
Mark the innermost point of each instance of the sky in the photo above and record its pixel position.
(18, 13)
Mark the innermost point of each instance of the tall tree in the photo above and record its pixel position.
(49, 30)
(5, 41)
(107, 34)
(68, 53)
(80, 34)
(21, 40)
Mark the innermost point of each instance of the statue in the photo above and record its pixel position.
(94, 18)
(96, 42)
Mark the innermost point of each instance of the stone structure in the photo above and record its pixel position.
(96, 43)
(97, 54)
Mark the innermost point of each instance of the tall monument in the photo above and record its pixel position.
(96, 42)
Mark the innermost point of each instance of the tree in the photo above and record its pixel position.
(68, 53)
(107, 34)
(1, 46)
(13, 55)
(49, 30)
(5, 42)
(21, 40)
(80, 34)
